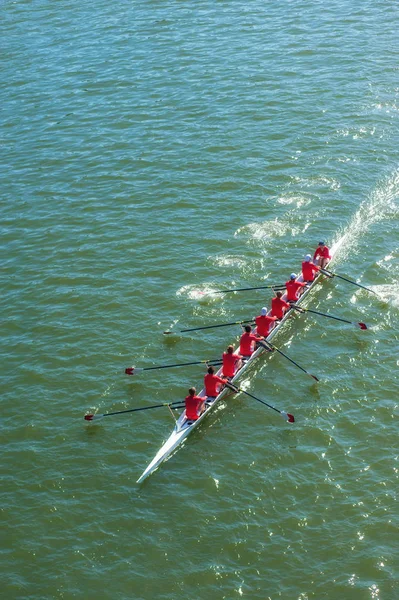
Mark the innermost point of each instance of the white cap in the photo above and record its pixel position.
(263, 312)
(293, 276)
(308, 258)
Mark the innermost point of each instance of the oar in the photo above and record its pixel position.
(177, 404)
(210, 326)
(263, 287)
(270, 346)
(135, 370)
(290, 418)
(314, 312)
(329, 273)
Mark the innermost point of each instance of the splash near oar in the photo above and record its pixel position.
(287, 416)
(315, 312)
(330, 274)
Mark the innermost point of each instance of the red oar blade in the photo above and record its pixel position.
(93, 417)
(314, 377)
(290, 418)
(133, 370)
(362, 325)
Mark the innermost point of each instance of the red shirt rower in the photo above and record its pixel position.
(231, 362)
(248, 341)
(264, 323)
(194, 404)
(309, 269)
(293, 287)
(322, 253)
(213, 383)
(279, 306)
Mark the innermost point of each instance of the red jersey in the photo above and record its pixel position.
(229, 364)
(192, 404)
(246, 343)
(309, 270)
(212, 384)
(293, 288)
(279, 306)
(263, 324)
(322, 252)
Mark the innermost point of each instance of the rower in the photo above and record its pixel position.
(213, 384)
(322, 254)
(309, 269)
(264, 323)
(231, 362)
(248, 341)
(294, 288)
(194, 405)
(279, 306)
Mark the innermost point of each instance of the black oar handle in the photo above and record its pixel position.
(348, 280)
(315, 312)
(198, 362)
(263, 287)
(270, 346)
(176, 404)
(259, 400)
(236, 389)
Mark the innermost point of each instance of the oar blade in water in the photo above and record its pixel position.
(93, 417)
(287, 416)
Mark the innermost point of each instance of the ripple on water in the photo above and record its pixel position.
(151, 156)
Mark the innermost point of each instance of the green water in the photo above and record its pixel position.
(153, 151)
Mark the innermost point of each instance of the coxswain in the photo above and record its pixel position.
(213, 383)
(322, 254)
(248, 341)
(264, 323)
(194, 404)
(231, 362)
(309, 269)
(279, 306)
(293, 288)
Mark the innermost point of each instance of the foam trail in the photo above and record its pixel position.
(388, 293)
(382, 204)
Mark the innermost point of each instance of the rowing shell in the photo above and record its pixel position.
(183, 427)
